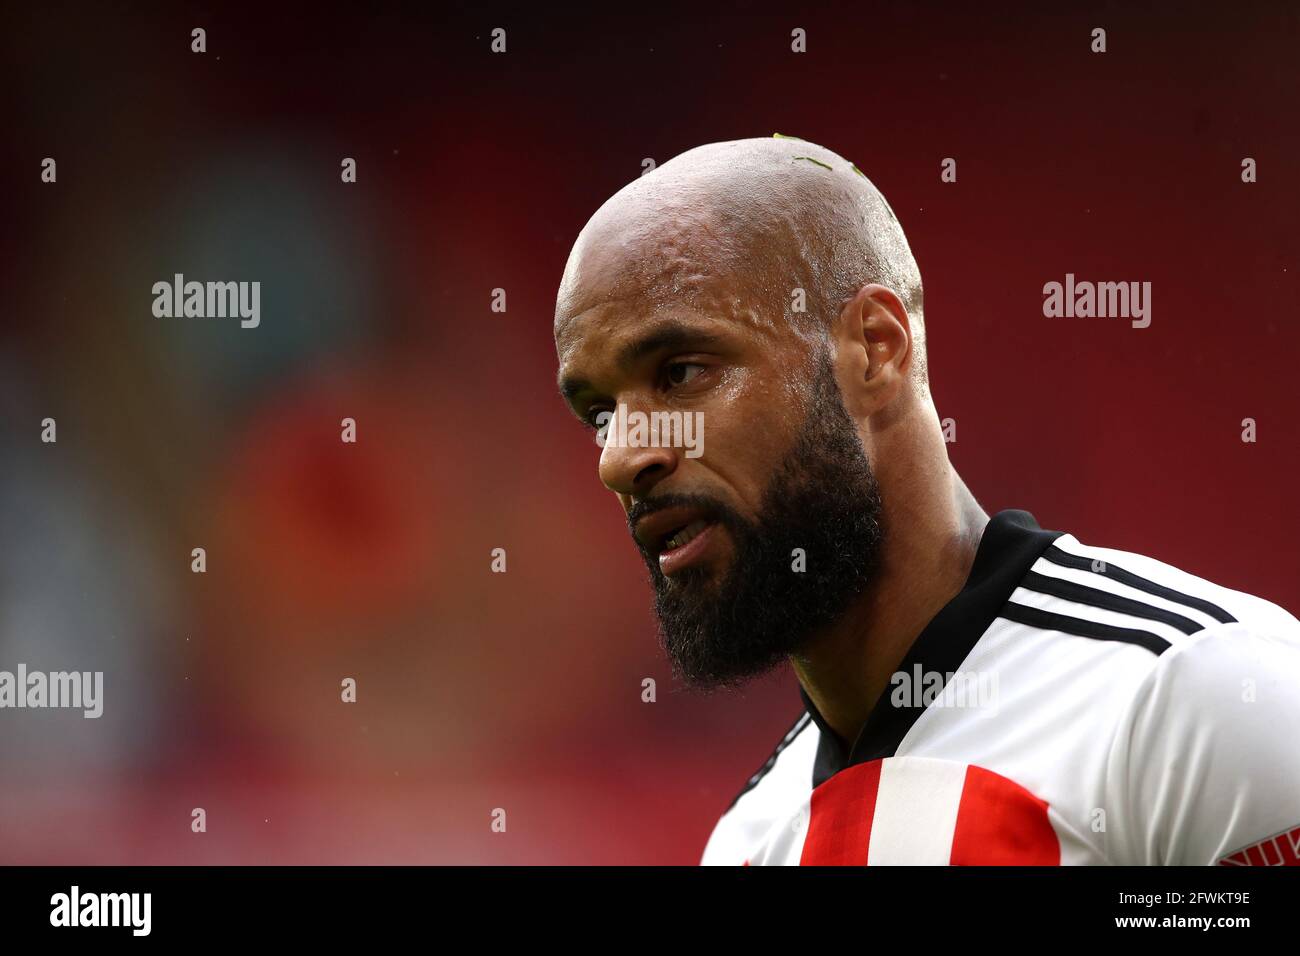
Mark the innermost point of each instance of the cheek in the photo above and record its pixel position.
(746, 437)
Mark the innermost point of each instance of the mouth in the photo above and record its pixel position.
(685, 547)
(678, 537)
(683, 537)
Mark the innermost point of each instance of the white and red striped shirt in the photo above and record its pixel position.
(1071, 705)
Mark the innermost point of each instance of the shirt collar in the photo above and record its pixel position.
(1011, 543)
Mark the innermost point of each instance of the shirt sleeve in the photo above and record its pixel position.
(1205, 765)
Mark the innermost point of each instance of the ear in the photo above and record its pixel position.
(873, 349)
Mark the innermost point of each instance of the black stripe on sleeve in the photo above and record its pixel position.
(1047, 621)
(1081, 594)
(1105, 568)
(761, 772)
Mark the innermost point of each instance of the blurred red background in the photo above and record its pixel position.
(522, 690)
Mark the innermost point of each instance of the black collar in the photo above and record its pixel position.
(1011, 543)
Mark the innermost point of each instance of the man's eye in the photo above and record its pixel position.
(679, 373)
(598, 418)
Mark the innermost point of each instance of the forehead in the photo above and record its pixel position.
(708, 305)
(625, 276)
(612, 337)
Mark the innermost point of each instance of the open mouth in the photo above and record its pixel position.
(686, 546)
(677, 536)
(683, 536)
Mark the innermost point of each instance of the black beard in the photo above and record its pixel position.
(824, 499)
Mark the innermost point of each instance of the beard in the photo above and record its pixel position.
(823, 498)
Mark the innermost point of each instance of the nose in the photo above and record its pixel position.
(634, 471)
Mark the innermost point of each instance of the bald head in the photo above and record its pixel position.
(771, 215)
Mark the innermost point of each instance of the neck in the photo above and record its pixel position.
(932, 529)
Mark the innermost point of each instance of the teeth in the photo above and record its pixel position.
(685, 536)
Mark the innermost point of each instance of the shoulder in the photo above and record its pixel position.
(1201, 759)
(1183, 687)
(1203, 764)
(1146, 577)
(771, 793)
(1206, 643)
(1130, 598)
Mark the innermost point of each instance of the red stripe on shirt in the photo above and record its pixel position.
(1000, 823)
(839, 829)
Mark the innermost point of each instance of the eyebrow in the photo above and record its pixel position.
(664, 335)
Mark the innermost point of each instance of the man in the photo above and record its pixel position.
(975, 690)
